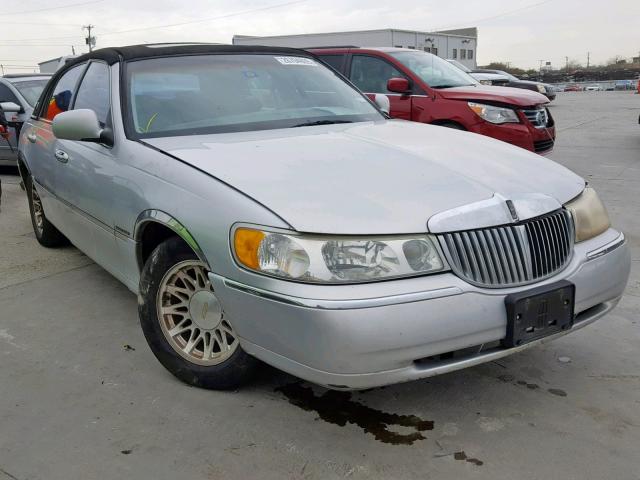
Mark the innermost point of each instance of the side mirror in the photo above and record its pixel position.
(80, 125)
(398, 85)
(10, 107)
(382, 101)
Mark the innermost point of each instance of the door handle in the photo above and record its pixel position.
(62, 156)
(32, 137)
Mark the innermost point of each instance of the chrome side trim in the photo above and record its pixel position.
(618, 242)
(158, 216)
(325, 304)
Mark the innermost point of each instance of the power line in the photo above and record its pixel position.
(51, 8)
(202, 20)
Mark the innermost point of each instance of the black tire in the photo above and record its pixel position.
(48, 235)
(455, 126)
(230, 374)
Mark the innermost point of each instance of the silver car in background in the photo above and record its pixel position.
(263, 208)
(19, 93)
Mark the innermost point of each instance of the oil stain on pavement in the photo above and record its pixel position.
(338, 408)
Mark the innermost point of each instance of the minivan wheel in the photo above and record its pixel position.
(46, 234)
(184, 322)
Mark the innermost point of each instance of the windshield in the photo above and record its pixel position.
(433, 70)
(31, 89)
(234, 93)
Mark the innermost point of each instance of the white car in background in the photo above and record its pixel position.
(483, 78)
(593, 88)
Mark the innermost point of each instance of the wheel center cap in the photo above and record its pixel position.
(205, 310)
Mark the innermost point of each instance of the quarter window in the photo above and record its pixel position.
(371, 74)
(60, 99)
(93, 92)
(334, 61)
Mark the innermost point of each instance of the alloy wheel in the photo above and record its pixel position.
(191, 316)
(38, 213)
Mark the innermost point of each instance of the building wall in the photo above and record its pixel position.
(50, 66)
(441, 44)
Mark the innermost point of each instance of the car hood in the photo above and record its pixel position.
(506, 95)
(387, 177)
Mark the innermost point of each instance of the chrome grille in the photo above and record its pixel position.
(539, 117)
(511, 255)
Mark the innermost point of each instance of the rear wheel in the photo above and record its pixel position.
(184, 322)
(46, 233)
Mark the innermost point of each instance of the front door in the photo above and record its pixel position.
(370, 74)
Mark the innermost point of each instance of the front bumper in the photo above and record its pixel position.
(523, 135)
(360, 337)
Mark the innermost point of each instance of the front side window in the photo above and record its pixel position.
(434, 71)
(31, 89)
(370, 74)
(231, 93)
(62, 94)
(93, 92)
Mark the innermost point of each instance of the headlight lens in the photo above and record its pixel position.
(541, 88)
(335, 260)
(494, 114)
(590, 217)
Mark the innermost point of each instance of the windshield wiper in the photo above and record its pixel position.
(321, 122)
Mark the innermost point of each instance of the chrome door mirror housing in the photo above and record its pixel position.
(10, 107)
(79, 125)
(382, 101)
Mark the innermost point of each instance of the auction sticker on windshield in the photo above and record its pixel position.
(296, 61)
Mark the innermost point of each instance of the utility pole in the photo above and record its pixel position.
(73, 50)
(588, 58)
(2, 68)
(566, 59)
(540, 70)
(89, 40)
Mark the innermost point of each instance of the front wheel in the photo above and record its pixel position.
(184, 322)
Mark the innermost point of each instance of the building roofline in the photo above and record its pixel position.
(300, 35)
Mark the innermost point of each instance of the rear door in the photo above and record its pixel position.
(370, 74)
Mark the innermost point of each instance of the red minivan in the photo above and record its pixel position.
(425, 88)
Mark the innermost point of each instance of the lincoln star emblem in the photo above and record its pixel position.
(512, 210)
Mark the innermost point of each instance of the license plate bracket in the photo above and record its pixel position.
(539, 312)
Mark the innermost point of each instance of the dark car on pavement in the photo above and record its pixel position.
(515, 82)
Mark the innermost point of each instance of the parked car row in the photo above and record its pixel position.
(262, 207)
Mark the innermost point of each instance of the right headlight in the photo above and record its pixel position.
(335, 259)
(590, 217)
(493, 114)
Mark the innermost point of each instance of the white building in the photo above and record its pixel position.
(461, 45)
(52, 66)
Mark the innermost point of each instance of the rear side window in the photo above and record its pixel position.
(6, 95)
(93, 92)
(370, 74)
(334, 61)
(60, 99)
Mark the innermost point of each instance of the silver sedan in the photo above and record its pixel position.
(262, 208)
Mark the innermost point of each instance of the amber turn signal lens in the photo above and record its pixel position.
(246, 243)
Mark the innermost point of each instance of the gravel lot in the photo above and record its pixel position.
(82, 397)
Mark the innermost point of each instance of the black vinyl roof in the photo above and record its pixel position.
(113, 55)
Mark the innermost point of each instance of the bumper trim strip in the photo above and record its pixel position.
(350, 304)
(618, 242)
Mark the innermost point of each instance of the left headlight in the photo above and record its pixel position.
(493, 114)
(590, 217)
(320, 259)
